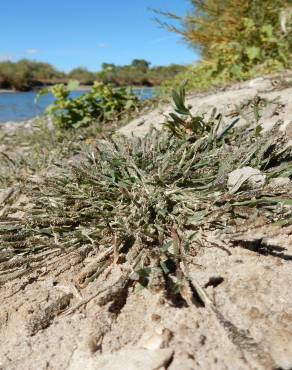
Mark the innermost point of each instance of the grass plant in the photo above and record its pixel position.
(144, 201)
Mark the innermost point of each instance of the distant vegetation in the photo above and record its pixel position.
(138, 73)
(82, 75)
(236, 39)
(26, 75)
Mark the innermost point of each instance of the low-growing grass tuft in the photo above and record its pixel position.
(145, 201)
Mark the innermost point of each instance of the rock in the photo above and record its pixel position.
(259, 82)
(251, 178)
(154, 341)
(160, 338)
(279, 181)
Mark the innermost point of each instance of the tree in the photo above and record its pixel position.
(234, 35)
(26, 74)
(82, 75)
(105, 66)
(141, 64)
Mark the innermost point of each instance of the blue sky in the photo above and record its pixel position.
(70, 33)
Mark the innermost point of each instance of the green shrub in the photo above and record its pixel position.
(102, 103)
(237, 40)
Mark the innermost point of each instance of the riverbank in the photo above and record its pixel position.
(78, 88)
(3, 91)
(135, 251)
(227, 101)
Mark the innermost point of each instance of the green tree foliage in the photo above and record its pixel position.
(141, 64)
(26, 74)
(237, 39)
(138, 73)
(83, 75)
(108, 66)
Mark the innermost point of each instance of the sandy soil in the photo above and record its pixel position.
(243, 321)
(2, 91)
(225, 101)
(240, 316)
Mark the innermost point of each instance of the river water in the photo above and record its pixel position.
(21, 106)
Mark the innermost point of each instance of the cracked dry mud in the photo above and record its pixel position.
(238, 316)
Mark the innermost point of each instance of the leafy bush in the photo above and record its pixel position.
(237, 40)
(102, 103)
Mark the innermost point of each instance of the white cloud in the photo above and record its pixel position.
(31, 51)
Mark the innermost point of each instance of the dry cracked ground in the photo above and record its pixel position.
(239, 315)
